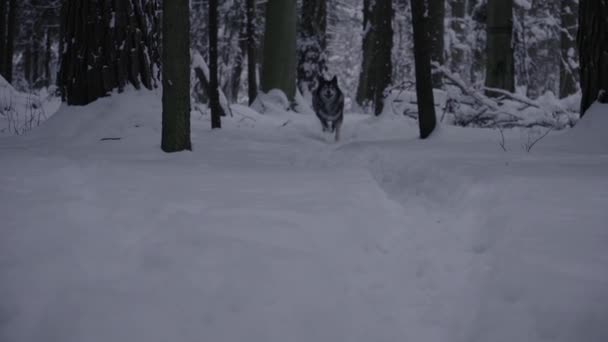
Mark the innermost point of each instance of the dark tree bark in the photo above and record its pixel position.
(48, 55)
(424, 85)
(252, 77)
(568, 66)
(214, 96)
(11, 33)
(459, 26)
(500, 69)
(3, 22)
(436, 17)
(35, 81)
(279, 60)
(376, 68)
(593, 51)
(312, 43)
(27, 62)
(176, 76)
(107, 45)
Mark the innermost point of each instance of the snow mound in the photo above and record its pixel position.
(588, 136)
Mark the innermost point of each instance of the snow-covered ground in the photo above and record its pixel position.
(268, 231)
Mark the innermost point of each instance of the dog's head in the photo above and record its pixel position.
(328, 90)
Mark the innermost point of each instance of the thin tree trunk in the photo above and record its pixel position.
(424, 85)
(500, 63)
(10, 40)
(312, 43)
(593, 51)
(35, 82)
(3, 22)
(47, 59)
(176, 76)
(251, 53)
(376, 68)
(436, 15)
(214, 97)
(27, 62)
(279, 62)
(459, 26)
(569, 60)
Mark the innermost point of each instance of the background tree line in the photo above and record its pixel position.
(88, 48)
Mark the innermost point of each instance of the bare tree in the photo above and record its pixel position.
(424, 85)
(312, 43)
(251, 52)
(500, 63)
(377, 67)
(569, 62)
(279, 63)
(10, 40)
(593, 50)
(214, 95)
(436, 18)
(176, 76)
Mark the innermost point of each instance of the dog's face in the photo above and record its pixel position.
(328, 90)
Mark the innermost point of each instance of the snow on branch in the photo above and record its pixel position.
(202, 73)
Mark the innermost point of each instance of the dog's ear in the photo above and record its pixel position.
(320, 80)
(335, 80)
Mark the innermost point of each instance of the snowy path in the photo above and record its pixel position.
(270, 235)
(269, 254)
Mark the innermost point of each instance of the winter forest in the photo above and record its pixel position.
(303, 170)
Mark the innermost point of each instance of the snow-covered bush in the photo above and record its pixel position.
(21, 112)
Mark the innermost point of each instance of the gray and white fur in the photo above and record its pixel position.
(328, 104)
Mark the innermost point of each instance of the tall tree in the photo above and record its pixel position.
(107, 45)
(252, 81)
(214, 96)
(424, 85)
(593, 50)
(500, 63)
(176, 76)
(458, 25)
(3, 20)
(11, 32)
(312, 43)
(569, 61)
(436, 17)
(279, 60)
(377, 67)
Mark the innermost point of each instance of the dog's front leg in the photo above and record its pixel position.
(337, 126)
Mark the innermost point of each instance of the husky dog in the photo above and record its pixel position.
(328, 103)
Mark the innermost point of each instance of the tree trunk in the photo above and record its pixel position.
(312, 43)
(459, 50)
(424, 84)
(27, 62)
(11, 33)
(35, 82)
(279, 63)
(3, 20)
(176, 76)
(252, 77)
(500, 63)
(108, 45)
(47, 58)
(593, 51)
(436, 17)
(214, 97)
(376, 68)
(569, 61)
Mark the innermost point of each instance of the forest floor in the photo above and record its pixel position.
(269, 231)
